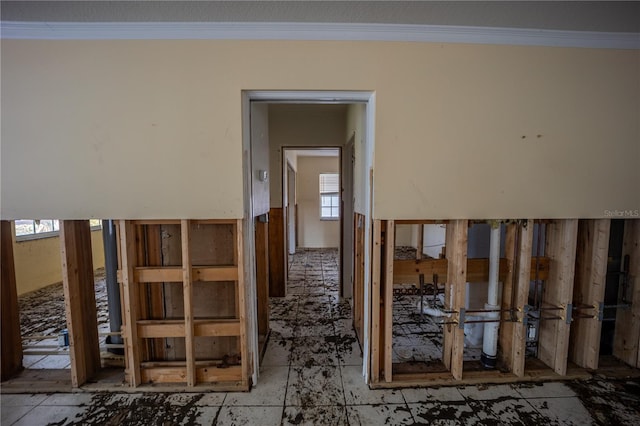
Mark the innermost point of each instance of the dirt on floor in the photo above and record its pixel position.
(42, 312)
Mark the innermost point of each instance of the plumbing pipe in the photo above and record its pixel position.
(490, 338)
(109, 241)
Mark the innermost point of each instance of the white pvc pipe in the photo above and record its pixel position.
(490, 338)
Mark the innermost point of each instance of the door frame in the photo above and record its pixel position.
(313, 97)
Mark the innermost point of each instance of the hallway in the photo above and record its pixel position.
(311, 375)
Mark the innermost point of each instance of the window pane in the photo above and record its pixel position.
(44, 225)
(24, 227)
(326, 212)
(95, 223)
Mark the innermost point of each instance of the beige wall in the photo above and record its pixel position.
(356, 125)
(38, 261)
(302, 125)
(260, 158)
(152, 129)
(313, 232)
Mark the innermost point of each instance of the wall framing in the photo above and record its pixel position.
(222, 361)
(572, 269)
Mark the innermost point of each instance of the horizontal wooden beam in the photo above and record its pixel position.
(215, 273)
(420, 222)
(149, 329)
(156, 222)
(176, 374)
(217, 328)
(408, 271)
(168, 274)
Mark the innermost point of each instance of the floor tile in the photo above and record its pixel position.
(544, 390)
(370, 415)
(76, 399)
(357, 392)
(445, 413)
(46, 415)
(482, 392)
(283, 328)
(349, 352)
(14, 399)
(52, 362)
(206, 415)
(211, 399)
(563, 410)
(278, 352)
(244, 416)
(29, 360)
(509, 411)
(323, 330)
(313, 351)
(318, 415)
(12, 413)
(270, 390)
(444, 393)
(311, 386)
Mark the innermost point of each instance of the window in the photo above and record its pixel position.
(28, 229)
(329, 196)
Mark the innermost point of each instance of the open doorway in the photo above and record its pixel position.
(309, 233)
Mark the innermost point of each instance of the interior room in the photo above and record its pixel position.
(320, 212)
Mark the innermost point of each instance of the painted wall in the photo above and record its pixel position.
(356, 125)
(38, 261)
(313, 232)
(153, 128)
(260, 158)
(293, 125)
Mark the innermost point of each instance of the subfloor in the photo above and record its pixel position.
(311, 374)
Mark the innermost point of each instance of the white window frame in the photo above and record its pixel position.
(49, 234)
(333, 193)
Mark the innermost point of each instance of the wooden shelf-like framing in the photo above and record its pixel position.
(137, 329)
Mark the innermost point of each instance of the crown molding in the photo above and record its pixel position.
(314, 31)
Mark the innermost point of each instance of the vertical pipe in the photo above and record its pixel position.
(110, 243)
(490, 339)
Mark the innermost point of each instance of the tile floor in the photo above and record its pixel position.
(311, 375)
(42, 313)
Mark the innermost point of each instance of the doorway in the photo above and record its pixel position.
(289, 231)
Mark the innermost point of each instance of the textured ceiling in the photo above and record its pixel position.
(609, 16)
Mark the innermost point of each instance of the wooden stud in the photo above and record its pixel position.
(389, 244)
(262, 275)
(11, 344)
(627, 332)
(156, 292)
(187, 283)
(242, 304)
(590, 281)
(277, 272)
(456, 245)
(80, 301)
(505, 341)
(358, 288)
(553, 345)
(518, 246)
(375, 301)
(130, 296)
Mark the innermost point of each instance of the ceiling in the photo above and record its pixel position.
(599, 16)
